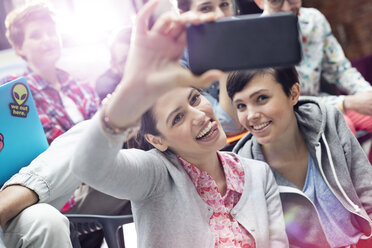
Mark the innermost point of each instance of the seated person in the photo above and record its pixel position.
(118, 44)
(323, 57)
(323, 174)
(61, 102)
(227, 200)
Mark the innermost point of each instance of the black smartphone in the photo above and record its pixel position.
(244, 42)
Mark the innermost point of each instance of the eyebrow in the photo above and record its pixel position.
(179, 108)
(203, 3)
(208, 2)
(252, 95)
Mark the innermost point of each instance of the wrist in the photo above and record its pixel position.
(106, 123)
(342, 107)
(347, 103)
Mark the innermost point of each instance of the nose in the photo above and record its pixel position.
(198, 117)
(45, 38)
(286, 6)
(252, 114)
(219, 13)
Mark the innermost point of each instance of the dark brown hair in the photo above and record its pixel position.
(237, 80)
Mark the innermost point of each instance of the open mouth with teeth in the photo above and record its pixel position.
(206, 132)
(260, 126)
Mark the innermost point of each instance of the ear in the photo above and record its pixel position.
(18, 50)
(259, 4)
(295, 93)
(157, 142)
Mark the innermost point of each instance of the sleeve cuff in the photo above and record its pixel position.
(31, 181)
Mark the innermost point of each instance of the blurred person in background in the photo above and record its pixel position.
(61, 100)
(118, 43)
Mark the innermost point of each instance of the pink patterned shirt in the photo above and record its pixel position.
(228, 232)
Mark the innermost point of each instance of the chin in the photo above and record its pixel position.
(264, 140)
(222, 142)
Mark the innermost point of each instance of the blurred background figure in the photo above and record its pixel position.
(118, 45)
(61, 100)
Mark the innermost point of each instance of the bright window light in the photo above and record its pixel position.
(92, 20)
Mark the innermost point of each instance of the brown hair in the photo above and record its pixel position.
(16, 19)
(285, 76)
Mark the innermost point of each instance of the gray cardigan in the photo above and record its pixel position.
(342, 163)
(167, 209)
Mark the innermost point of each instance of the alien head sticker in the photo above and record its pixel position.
(20, 96)
(1, 141)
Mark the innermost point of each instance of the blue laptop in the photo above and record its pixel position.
(22, 137)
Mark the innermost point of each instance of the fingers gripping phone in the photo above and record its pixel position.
(244, 42)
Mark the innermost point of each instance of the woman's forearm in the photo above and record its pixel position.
(13, 199)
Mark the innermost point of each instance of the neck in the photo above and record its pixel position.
(289, 147)
(289, 156)
(211, 164)
(208, 162)
(48, 73)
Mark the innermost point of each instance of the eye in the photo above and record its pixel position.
(35, 35)
(224, 4)
(205, 9)
(195, 99)
(177, 119)
(240, 106)
(262, 98)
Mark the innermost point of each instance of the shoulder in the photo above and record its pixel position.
(333, 113)
(7, 79)
(311, 12)
(313, 19)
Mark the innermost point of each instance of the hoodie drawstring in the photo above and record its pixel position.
(356, 207)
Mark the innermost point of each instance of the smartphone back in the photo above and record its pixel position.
(244, 42)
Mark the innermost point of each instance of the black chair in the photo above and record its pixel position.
(111, 226)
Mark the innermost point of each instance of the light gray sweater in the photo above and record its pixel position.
(167, 209)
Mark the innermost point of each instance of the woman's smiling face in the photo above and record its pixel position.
(264, 109)
(187, 124)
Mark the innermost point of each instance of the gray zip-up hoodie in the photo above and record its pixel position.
(342, 164)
